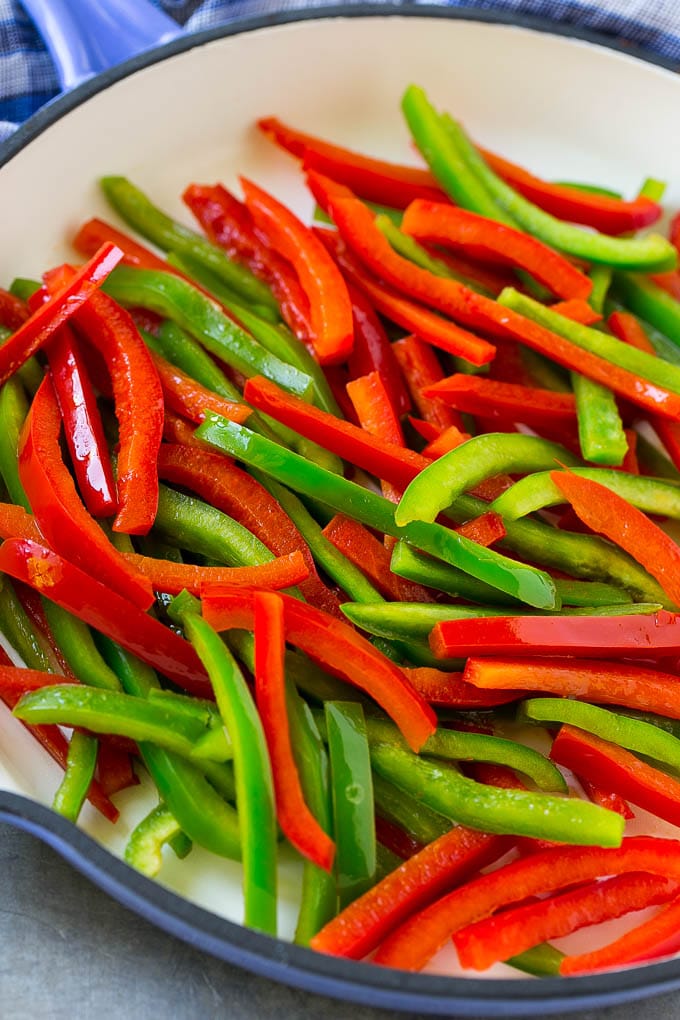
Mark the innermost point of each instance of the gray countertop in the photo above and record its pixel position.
(69, 952)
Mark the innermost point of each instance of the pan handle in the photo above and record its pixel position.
(85, 37)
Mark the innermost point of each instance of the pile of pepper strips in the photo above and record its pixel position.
(256, 494)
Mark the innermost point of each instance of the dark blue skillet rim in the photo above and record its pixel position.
(272, 958)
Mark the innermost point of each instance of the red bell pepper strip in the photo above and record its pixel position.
(228, 224)
(377, 416)
(605, 683)
(396, 839)
(513, 931)
(340, 649)
(329, 304)
(373, 179)
(114, 769)
(178, 431)
(484, 530)
(647, 637)
(82, 424)
(236, 493)
(604, 213)
(610, 515)
(356, 225)
(42, 324)
(629, 329)
(449, 225)
(296, 820)
(623, 772)
(17, 680)
(506, 400)
(368, 553)
(421, 368)
(415, 318)
(190, 399)
(578, 311)
(452, 858)
(59, 513)
(138, 399)
(97, 605)
(13, 311)
(648, 941)
(15, 522)
(451, 691)
(373, 352)
(606, 798)
(170, 577)
(446, 441)
(386, 461)
(419, 938)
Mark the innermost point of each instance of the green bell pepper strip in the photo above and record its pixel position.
(403, 621)
(122, 715)
(647, 300)
(318, 901)
(278, 339)
(410, 814)
(13, 412)
(177, 346)
(23, 287)
(492, 809)
(21, 634)
(143, 850)
(412, 565)
(537, 491)
(581, 556)
(78, 648)
(655, 463)
(201, 812)
(547, 374)
(633, 734)
(142, 215)
(352, 795)
(176, 299)
(646, 366)
(526, 583)
(81, 763)
(438, 485)
(601, 277)
(652, 253)
(194, 525)
(467, 746)
(600, 430)
(206, 279)
(541, 961)
(444, 158)
(252, 768)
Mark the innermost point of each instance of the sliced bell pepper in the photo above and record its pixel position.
(507, 401)
(13, 311)
(449, 690)
(42, 324)
(449, 225)
(441, 482)
(138, 401)
(614, 517)
(15, 522)
(376, 415)
(644, 298)
(143, 850)
(252, 767)
(373, 352)
(189, 399)
(172, 578)
(329, 304)
(484, 943)
(652, 636)
(100, 607)
(296, 820)
(606, 683)
(59, 513)
(419, 938)
(339, 648)
(372, 179)
(421, 369)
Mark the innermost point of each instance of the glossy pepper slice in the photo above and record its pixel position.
(60, 514)
(37, 330)
(330, 307)
(373, 352)
(296, 820)
(418, 939)
(101, 608)
(512, 931)
(506, 401)
(614, 517)
(421, 369)
(606, 683)
(341, 650)
(449, 225)
(653, 636)
(186, 397)
(172, 578)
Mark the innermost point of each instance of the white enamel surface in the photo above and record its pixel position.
(565, 108)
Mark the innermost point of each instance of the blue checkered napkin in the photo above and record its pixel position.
(28, 79)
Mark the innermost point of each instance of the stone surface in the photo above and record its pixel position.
(69, 952)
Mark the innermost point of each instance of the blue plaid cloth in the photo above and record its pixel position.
(28, 79)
